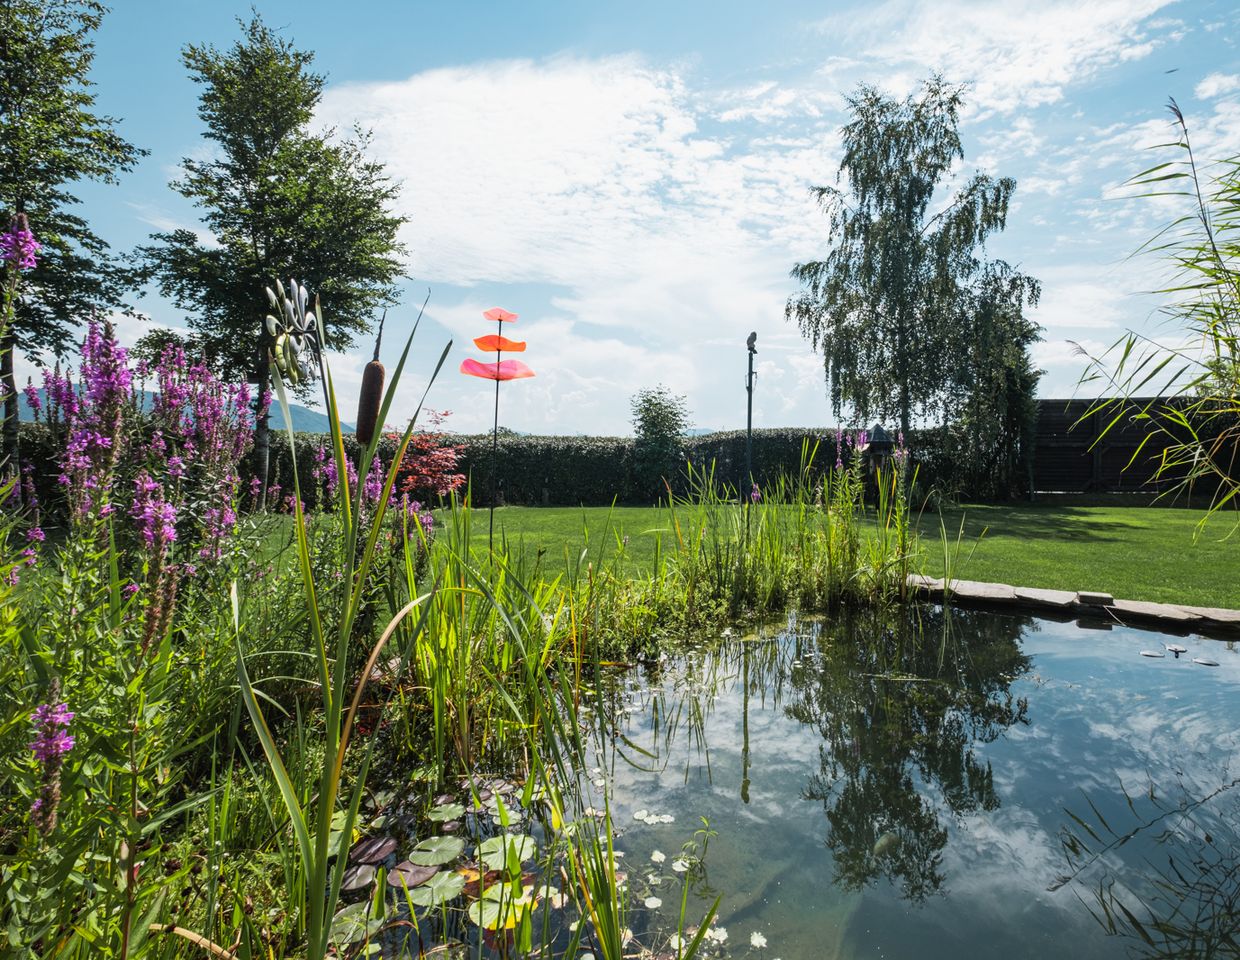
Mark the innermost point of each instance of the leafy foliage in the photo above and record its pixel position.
(1196, 385)
(51, 138)
(278, 199)
(905, 310)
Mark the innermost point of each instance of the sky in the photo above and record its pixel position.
(633, 179)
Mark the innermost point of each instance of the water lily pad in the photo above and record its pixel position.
(354, 924)
(433, 851)
(372, 850)
(357, 876)
(441, 888)
(497, 907)
(494, 852)
(446, 811)
(410, 874)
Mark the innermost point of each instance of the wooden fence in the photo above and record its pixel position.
(1069, 458)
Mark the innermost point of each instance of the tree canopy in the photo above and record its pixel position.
(51, 138)
(904, 302)
(279, 200)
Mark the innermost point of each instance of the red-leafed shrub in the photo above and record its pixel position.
(430, 469)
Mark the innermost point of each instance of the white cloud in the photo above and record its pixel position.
(1016, 53)
(1217, 84)
(595, 178)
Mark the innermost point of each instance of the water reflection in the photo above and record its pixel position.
(901, 705)
(1188, 904)
(891, 785)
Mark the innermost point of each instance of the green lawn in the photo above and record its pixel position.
(1141, 553)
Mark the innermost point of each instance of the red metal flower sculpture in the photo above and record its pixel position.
(497, 370)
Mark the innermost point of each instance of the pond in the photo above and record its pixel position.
(934, 784)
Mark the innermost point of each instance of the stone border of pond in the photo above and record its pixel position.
(1090, 609)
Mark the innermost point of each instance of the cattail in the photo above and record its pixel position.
(371, 395)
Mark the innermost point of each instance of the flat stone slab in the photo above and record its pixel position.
(1046, 598)
(1152, 611)
(1092, 598)
(978, 590)
(919, 581)
(1214, 614)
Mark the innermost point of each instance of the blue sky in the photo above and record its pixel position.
(632, 179)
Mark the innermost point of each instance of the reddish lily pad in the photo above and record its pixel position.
(372, 850)
(411, 874)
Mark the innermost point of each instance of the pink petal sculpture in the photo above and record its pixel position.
(504, 370)
(493, 343)
(500, 314)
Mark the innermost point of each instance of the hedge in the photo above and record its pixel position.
(586, 471)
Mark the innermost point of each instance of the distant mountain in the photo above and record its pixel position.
(305, 420)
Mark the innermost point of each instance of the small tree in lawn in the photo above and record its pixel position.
(660, 419)
(279, 201)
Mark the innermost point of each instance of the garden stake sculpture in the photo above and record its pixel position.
(497, 371)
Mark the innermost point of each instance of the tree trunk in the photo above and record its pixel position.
(9, 466)
(262, 430)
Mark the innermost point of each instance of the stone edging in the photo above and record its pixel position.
(1094, 609)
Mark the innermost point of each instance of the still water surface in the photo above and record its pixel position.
(972, 785)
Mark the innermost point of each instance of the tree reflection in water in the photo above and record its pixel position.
(901, 704)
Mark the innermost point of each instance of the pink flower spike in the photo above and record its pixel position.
(499, 313)
(505, 370)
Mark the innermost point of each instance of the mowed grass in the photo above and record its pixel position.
(1140, 553)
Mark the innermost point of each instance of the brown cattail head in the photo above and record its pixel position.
(369, 400)
(371, 396)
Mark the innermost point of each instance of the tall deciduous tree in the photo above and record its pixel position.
(279, 200)
(50, 139)
(894, 306)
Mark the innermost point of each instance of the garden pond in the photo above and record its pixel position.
(950, 784)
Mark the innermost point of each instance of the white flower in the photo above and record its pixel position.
(641, 814)
(757, 940)
(653, 903)
(676, 941)
(680, 866)
(666, 818)
(652, 819)
(658, 856)
(718, 934)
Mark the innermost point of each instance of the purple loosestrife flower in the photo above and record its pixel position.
(33, 400)
(18, 247)
(51, 742)
(755, 495)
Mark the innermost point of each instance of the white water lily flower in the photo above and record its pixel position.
(757, 940)
(652, 819)
(666, 818)
(676, 941)
(658, 856)
(718, 934)
(653, 903)
(680, 866)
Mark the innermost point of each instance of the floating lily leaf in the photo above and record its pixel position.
(372, 850)
(445, 798)
(436, 850)
(494, 852)
(336, 839)
(357, 876)
(499, 908)
(441, 888)
(353, 924)
(446, 811)
(452, 826)
(410, 874)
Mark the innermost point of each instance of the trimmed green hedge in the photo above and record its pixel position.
(588, 471)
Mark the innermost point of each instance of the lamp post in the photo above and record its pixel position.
(751, 344)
